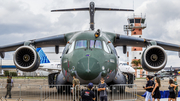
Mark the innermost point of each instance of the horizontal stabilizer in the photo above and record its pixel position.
(91, 10)
(73, 9)
(112, 9)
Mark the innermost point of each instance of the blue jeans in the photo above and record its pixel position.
(148, 96)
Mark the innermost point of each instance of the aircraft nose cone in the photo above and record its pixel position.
(88, 68)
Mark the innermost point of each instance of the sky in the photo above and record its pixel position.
(22, 20)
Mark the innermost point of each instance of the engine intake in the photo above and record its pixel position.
(154, 58)
(26, 59)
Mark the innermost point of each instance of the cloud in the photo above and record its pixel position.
(158, 14)
(162, 17)
(18, 23)
(24, 20)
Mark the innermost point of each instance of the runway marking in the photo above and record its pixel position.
(134, 94)
(139, 96)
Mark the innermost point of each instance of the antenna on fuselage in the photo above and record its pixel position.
(92, 10)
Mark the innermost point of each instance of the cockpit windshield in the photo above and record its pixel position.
(81, 44)
(95, 44)
(125, 64)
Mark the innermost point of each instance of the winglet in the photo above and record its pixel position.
(2, 54)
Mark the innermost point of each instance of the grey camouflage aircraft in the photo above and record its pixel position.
(168, 72)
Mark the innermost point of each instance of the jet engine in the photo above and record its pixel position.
(26, 59)
(154, 58)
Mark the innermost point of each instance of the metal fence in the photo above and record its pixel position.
(63, 92)
(26, 80)
(124, 92)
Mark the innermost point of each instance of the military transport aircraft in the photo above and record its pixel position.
(89, 54)
(168, 72)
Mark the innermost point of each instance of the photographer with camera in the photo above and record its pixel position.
(148, 88)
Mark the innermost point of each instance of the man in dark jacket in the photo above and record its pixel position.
(88, 95)
(148, 88)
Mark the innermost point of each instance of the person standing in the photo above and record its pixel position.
(76, 87)
(156, 93)
(148, 88)
(152, 80)
(8, 86)
(176, 90)
(102, 90)
(88, 95)
(171, 88)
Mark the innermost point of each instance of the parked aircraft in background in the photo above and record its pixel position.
(89, 54)
(168, 72)
(124, 67)
(51, 67)
(128, 71)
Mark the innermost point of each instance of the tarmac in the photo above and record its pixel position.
(36, 82)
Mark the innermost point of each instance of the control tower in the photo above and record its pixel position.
(136, 24)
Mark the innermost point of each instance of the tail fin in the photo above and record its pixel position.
(42, 55)
(91, 10)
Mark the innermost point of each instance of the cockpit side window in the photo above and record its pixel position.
(65, 49)
(95, 44)
(81, 44)
(109, 49)
(71, 47)
(105, 47)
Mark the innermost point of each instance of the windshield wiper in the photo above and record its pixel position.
(94, 43)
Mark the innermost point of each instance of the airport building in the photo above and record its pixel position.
(136, 24)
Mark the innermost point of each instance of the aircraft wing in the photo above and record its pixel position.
(58, 40)
(124, 40)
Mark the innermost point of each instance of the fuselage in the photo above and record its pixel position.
(89, 58)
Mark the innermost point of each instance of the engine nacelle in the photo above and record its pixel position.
(26, 59)
(154, 58)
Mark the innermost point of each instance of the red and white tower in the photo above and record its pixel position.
(135, 24)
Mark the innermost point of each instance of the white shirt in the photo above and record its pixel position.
(11, 82)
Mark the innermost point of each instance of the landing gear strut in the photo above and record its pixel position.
(52, 79)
